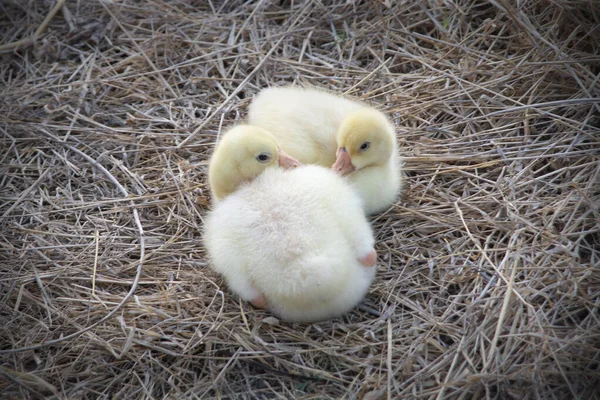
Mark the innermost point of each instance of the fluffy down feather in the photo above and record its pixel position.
(311, 125)
(294, 236)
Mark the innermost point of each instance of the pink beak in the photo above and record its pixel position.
(343, 164)
(286, 161)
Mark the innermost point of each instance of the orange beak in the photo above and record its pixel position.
(286, 161)
(343, 164)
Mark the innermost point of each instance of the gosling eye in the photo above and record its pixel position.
(365, 146)
(263, 157)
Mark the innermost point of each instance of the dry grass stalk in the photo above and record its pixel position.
(489, 284)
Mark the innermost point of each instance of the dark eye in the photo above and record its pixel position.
(365, 145)
(263, 157)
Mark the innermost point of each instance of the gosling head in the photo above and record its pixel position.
(243, 153)
(365, 138)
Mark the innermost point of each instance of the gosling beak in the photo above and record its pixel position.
(370, 259)
(286, 161)
(343, 164)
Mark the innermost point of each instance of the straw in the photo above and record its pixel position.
(488, 282)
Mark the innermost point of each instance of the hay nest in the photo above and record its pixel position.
(488, 285)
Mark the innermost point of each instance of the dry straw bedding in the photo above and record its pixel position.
(488, 284)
